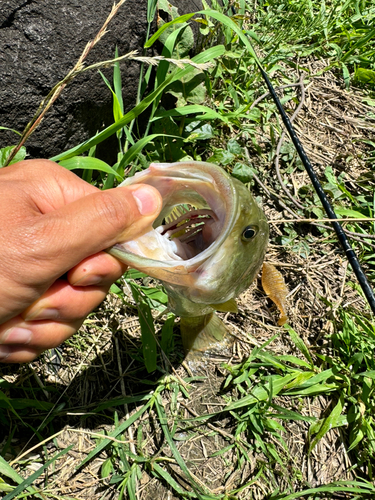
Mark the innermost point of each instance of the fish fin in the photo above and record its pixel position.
(199, 333)
(228, 306)
(274, 285)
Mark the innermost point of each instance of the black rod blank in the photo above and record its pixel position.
(356, 266)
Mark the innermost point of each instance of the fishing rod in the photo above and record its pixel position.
(343, 239)
(349, 252)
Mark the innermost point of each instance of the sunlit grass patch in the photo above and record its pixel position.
(288, 413)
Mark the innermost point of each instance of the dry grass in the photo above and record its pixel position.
(102, 363)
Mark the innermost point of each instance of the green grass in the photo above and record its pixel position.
(265, 393)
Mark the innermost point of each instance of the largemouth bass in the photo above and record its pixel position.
(206, 246)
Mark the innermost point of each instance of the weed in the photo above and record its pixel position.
(254, 434)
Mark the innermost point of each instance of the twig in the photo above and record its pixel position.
(78, 370)
(316, 222)
(57, 89)
(266, 94)
(364, 219)
(280, 143)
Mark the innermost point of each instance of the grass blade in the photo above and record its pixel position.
(18, 489)
(115, 433)
(89, 163)
(203, 57)
(299, 343)
(328, 423)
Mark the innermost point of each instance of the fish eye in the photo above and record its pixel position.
(249, 232)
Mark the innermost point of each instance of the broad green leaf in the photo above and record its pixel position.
(166, 342)
(262, 392)
(358, 438)
(294, 360)
(221, 157)
(286, 414)
(106, 468)
(8, 471)
(89, 163)
(117, 108)
(233, 147)
(300, 379)
(117, 83)
(347, 212)
(313, 390)
(5, 152)
(134, 274)
(199, 131)
(242, 172)
(178, 20)
(364, 75)
(193, 109)
(137, 148)
(369, 374)
(151, 10)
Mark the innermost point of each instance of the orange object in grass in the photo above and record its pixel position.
(274, 285)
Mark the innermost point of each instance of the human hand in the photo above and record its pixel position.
(53, 271)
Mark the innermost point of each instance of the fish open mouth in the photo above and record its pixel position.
(199, 209)
(194, 229)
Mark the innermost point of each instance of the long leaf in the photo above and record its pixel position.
(8, 471)
(203, 57)
(26, 483)
(262, 393)
(89, 163)
(147, 329)
(137, 148)
(327, 489)
(177, 20)
(299, 343)
(329, 423)
(114, 434)
(164, 425)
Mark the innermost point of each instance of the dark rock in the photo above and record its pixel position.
(40, 42)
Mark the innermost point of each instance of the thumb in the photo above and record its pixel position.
(93, 223)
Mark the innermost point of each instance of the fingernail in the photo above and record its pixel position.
(4, 352)
(146, 200)
(16, 335)
(41, 313)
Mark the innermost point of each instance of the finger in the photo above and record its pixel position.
(14, 354)
(101, 269)
(49, 185)
(63, 302)
(91, 224)
(36, 335)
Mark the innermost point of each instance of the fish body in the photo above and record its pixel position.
(206, 246)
